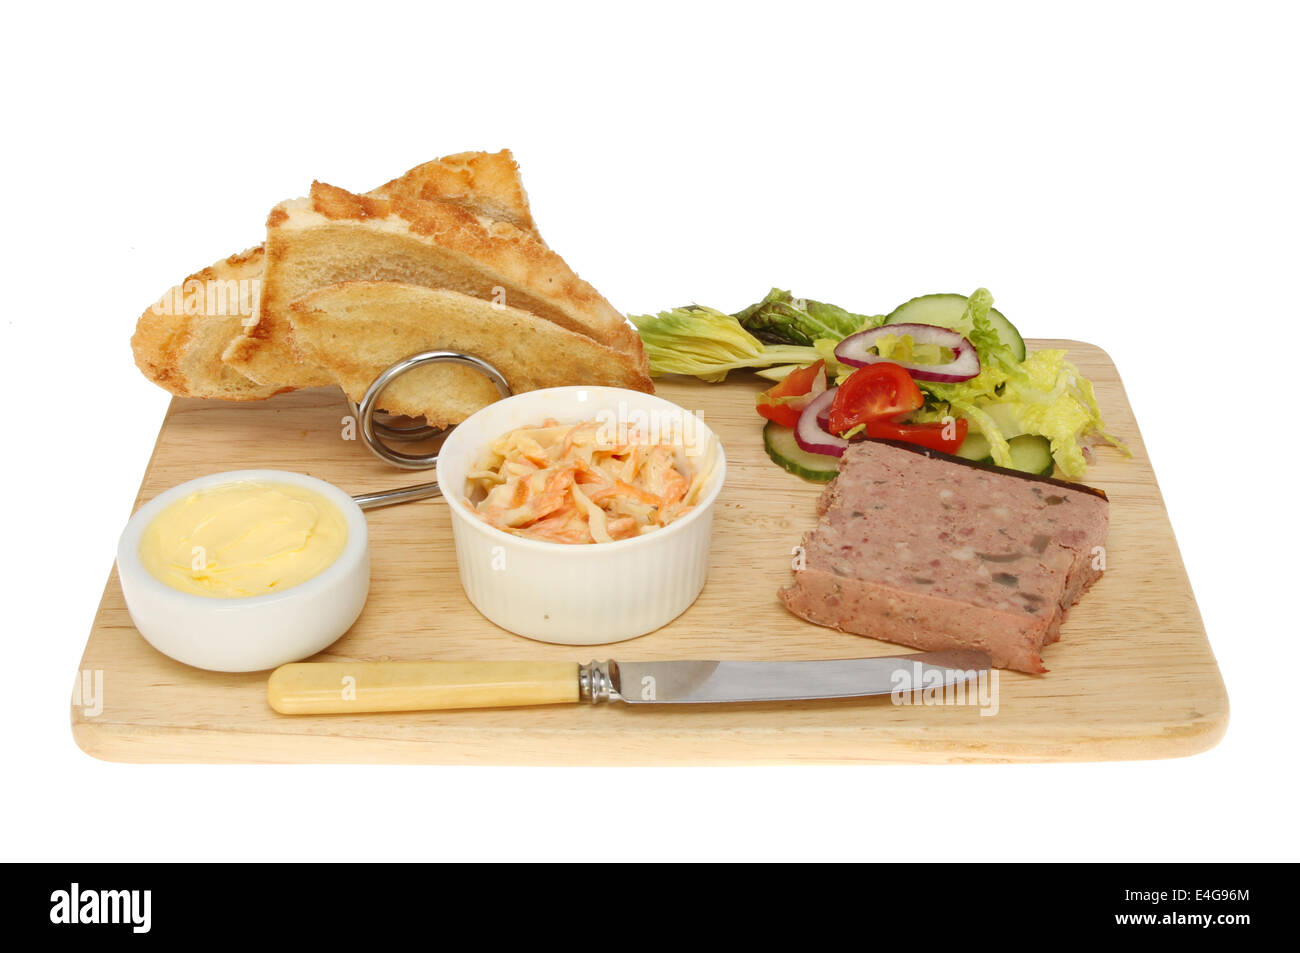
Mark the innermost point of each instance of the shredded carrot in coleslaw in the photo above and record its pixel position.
(564, 483)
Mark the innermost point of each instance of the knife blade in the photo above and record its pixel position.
(304, 688)
(702, 683)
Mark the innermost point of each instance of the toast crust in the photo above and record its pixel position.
(179, 339)
(486, 181)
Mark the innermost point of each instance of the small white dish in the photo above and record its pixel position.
(256, 632)
(577, 594)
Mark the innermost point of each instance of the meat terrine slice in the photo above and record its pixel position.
(931, 551)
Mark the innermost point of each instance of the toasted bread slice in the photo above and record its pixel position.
(356, 329)
(335, 235)
(179, 341)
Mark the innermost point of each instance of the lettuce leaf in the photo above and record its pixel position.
(825, 348)
(706, 343)
(1045, 394)
(981, 332)
(781, 318)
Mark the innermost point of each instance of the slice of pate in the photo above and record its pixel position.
(934, 552)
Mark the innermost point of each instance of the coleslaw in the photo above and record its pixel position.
(570, 483)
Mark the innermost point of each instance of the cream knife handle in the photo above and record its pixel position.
(317, 688)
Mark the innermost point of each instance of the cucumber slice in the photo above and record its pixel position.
(786, 453)
(945, 311)
(975, 447)
(1032, 454)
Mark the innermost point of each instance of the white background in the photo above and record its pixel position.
(1123, 174)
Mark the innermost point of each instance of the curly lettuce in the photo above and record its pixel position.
(781, 318)
(981, 333)
(1045, 394)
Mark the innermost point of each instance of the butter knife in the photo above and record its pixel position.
(303, 688)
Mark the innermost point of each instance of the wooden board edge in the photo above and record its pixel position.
(133, 744)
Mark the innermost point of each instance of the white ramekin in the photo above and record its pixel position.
(257, 632)
(575, 594)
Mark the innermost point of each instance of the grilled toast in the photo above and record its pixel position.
(335, 236)
(178, 341)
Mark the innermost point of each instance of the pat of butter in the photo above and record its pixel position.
(243, 539)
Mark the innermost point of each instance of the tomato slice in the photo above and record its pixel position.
(784, 402)
(937, 436)
(871, 393)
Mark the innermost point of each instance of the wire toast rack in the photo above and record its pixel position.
(374, 432)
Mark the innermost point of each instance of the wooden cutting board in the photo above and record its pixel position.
(1132, 677)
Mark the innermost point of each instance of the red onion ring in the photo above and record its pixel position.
(809, 433)
(965, 364)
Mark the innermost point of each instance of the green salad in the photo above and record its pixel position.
(1024, 410)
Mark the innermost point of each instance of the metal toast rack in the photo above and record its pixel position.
(374, 432)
